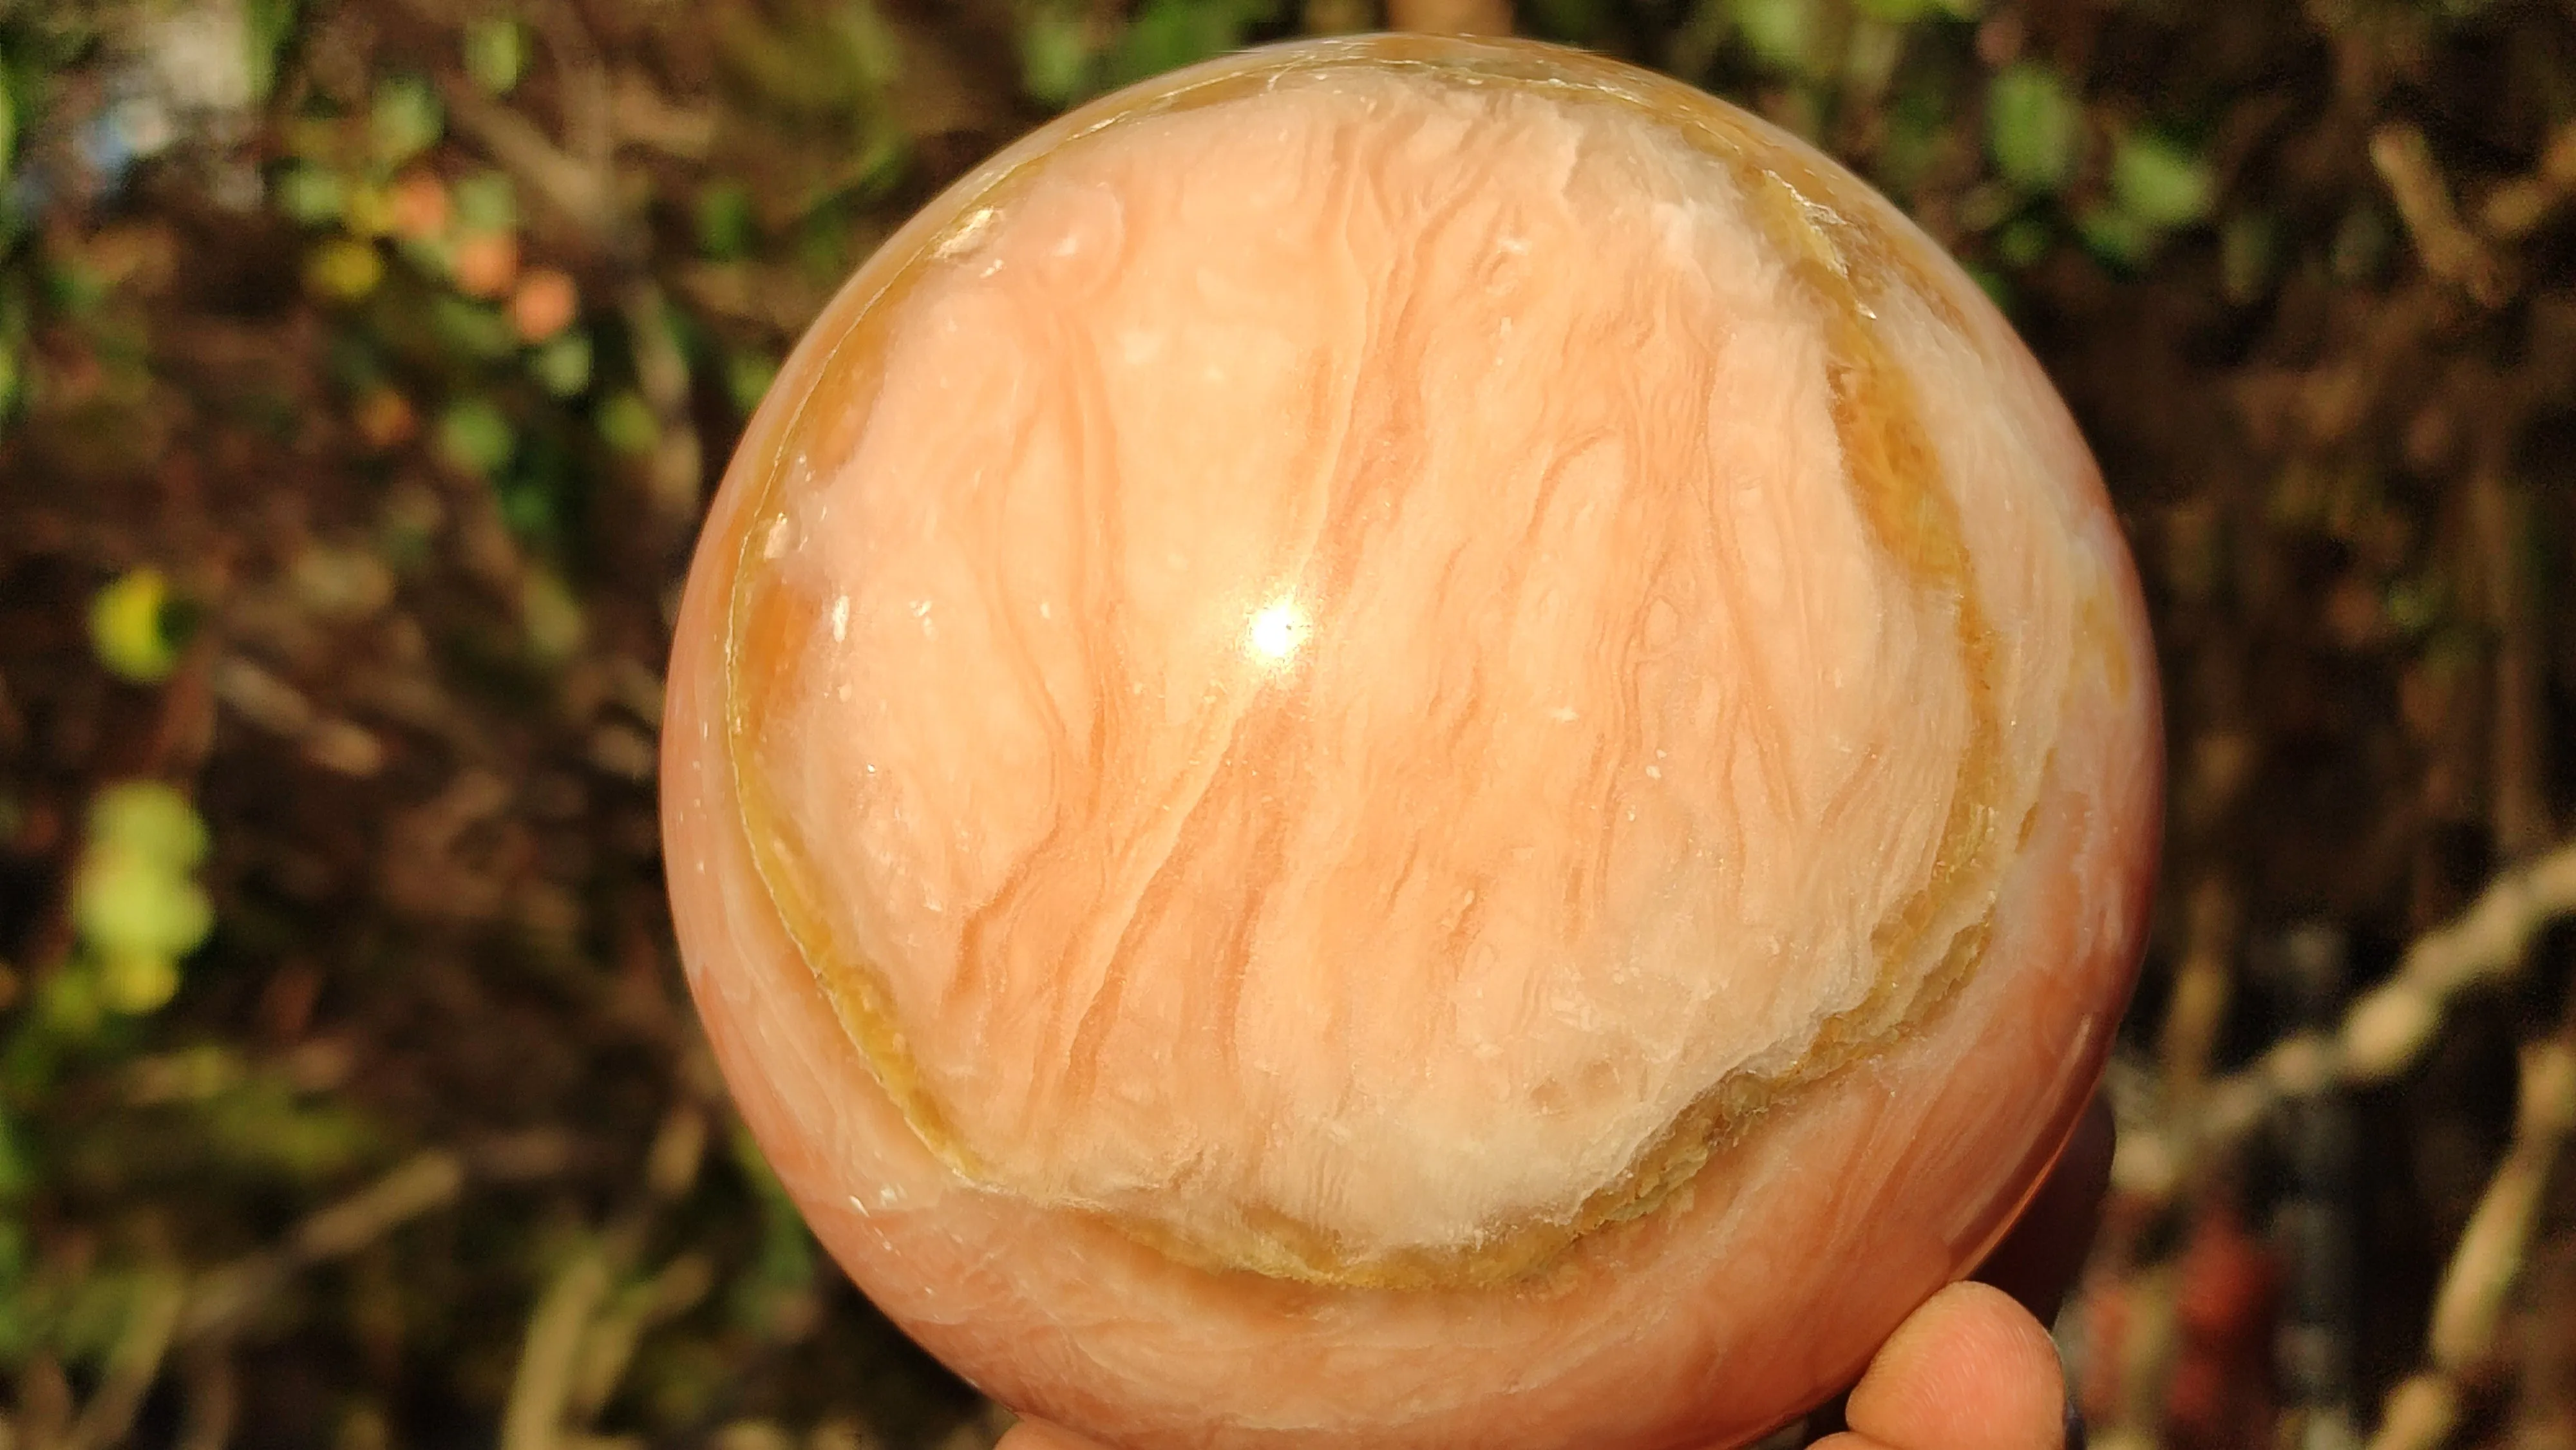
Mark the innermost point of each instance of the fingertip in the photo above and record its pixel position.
(1971, 1370)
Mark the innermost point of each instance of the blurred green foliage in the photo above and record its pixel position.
(1067, 55)
(2034, 127)
(2156, 187)
(405, 120)
(496, 52)
(136, 627)
(135, 901)
(527, 364)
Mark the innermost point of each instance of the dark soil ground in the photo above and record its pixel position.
(366, 364)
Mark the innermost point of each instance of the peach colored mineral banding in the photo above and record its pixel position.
(1410, 743)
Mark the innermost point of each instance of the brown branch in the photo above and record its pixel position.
(2450, 250)
(2381, 1035)
(224, 1297)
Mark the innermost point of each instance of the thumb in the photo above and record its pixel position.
(1972, 1370)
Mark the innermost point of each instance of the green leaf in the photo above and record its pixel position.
(475, 329)
(2033, 127)
(875, 59)
(496, 53)
(310, 195)
(69, 1006)
(8, 119)
(627, 423)
(782, 1271)
(2158, 184)
(1055, 57)
(1903, 12)
(1778, 32)
(152, 820)
(128, 906)
(130, 627)
(881, 162)
(529, 508)
(2023, 242)
(1577, 22)
(562, 366)
(266, 26)
(552, 617)
(1918, 132)
(2116, 237)
(138, 983)
(344, 269)
(726, 226)
(475, 436)
(405, 119)
(1168, 34)
(96, 1307)
(74, 286)
(484, 203)
(747, 379)
(264, 1126)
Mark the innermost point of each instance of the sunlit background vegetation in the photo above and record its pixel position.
(365, 365)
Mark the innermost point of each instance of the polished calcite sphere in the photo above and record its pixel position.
(1410, 743)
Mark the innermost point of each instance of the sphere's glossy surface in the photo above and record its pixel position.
(1410, 743)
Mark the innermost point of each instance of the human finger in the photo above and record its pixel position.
(1970, 1370)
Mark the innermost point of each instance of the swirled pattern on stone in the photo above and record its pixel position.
(1323, 701)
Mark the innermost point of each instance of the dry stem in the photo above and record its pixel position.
(2381, 1036)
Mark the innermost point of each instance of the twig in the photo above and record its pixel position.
(2204, 983)
(778, 298)
(280, 709)
(581, 193)
(540, 1392)
(2468, 1311)
(2450, 250)
(590, 118)
(2492, 1248)
(214, 1400)
(662, 374)
(646, 117)
(608, 1345)
(2421, 1414)
(224, 1297)
(44, 1404)
(133, 1364)
(2386, 1031)
(2517, 208)
(578, 181)
(432, 1180)
(581, 1337)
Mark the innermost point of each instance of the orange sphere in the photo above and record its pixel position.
(1410, 743)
